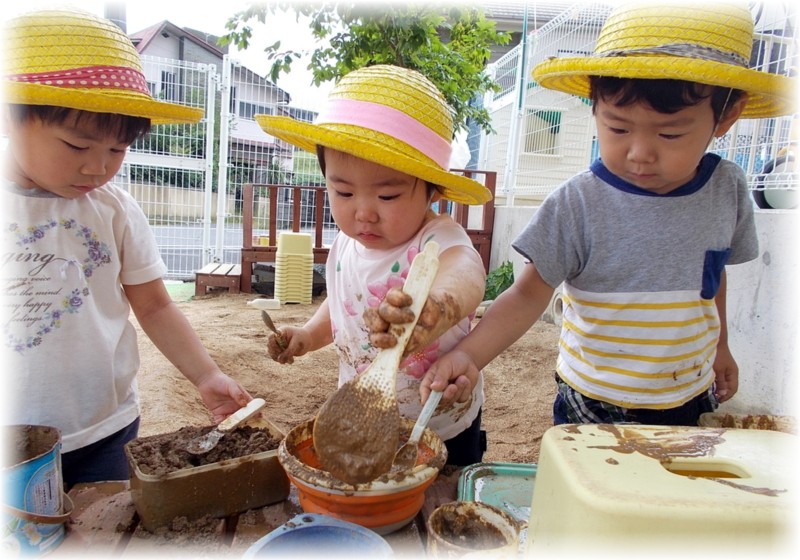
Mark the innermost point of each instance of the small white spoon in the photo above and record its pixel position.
(207, 442)
(406, 456)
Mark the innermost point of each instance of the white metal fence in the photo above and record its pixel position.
(544, 137)
(189, 178)
(170, 171)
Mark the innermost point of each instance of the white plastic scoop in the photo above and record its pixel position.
(207, 442)
(357, 430)
(406, 456)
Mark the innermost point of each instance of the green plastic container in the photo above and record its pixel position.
(507, 486)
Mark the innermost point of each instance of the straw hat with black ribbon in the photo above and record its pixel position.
(69, 58)
(704, 42)
(387, 115)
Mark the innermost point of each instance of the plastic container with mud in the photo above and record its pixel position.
(219, 483)
(384, 505)
(472, 529)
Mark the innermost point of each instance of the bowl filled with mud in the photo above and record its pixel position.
(384, 505)
(471, 529)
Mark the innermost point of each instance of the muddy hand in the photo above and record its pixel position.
(394, 309)
(276, 345)
(435, 318)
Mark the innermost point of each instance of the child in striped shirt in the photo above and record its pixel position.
(639, 241)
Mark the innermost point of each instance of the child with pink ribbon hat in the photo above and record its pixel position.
(383, 140)
(79, 255)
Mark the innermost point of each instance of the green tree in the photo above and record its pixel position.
(448, 44)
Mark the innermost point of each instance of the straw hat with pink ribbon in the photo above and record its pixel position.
(69, 58)
(387, 115)
(704, 42)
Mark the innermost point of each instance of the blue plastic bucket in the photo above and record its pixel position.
(33, 516)
(317, 535)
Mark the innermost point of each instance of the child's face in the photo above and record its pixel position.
(68, 159)
(657, 152)
(377, 206)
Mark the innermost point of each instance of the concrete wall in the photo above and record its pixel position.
(171, 203)
(763, 309)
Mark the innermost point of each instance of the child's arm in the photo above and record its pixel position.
(507, 319)
(172, 334)
(456, 292)
(296, 341)
(725, 368)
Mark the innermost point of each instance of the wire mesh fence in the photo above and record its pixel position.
(544, 137)
(189, 178)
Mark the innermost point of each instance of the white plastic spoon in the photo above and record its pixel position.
(207, 442)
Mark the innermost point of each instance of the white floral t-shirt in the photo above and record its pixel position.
(70, 350)
(358, 278)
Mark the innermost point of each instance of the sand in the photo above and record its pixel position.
(519, 383)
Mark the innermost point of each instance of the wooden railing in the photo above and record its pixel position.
(252, 253)
(480, 236)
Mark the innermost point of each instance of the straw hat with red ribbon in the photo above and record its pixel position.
(704, 42)
(69, 58)
(387, 115)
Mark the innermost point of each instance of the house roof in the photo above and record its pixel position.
(141, 39)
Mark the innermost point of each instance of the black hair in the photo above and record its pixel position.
(664, 96)
(432, 188)
(124, 128)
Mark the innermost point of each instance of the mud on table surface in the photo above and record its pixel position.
(104, 524)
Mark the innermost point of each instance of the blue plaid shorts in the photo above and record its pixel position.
(571, 407)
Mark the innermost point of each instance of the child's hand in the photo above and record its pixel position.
(222, 395)
(453, 373)
(394, 309)
(434, 319)
(727, 374)
(291, 342)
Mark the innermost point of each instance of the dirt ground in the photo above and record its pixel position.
(519, 383)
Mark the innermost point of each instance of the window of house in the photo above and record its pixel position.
(542, 131)
(168, 88)
(249, 110)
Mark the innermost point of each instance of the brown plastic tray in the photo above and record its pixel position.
(217, 489)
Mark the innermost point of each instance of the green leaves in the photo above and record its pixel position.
(498, 280)
(449, 45)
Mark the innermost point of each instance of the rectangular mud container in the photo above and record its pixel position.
(217, 489)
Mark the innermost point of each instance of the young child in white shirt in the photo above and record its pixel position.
(383, 142)
(79, 255)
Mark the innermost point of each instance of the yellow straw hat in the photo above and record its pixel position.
(391, 116)
(704, 42)
(69, 58)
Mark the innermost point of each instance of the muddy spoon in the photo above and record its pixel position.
(207, 442)
(278, 335)
(406, 456)
(268, 321)
(357, 431)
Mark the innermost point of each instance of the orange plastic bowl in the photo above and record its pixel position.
(383, 505)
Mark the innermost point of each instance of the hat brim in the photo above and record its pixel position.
(101, 101)
(308, 136)
(769, 95)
